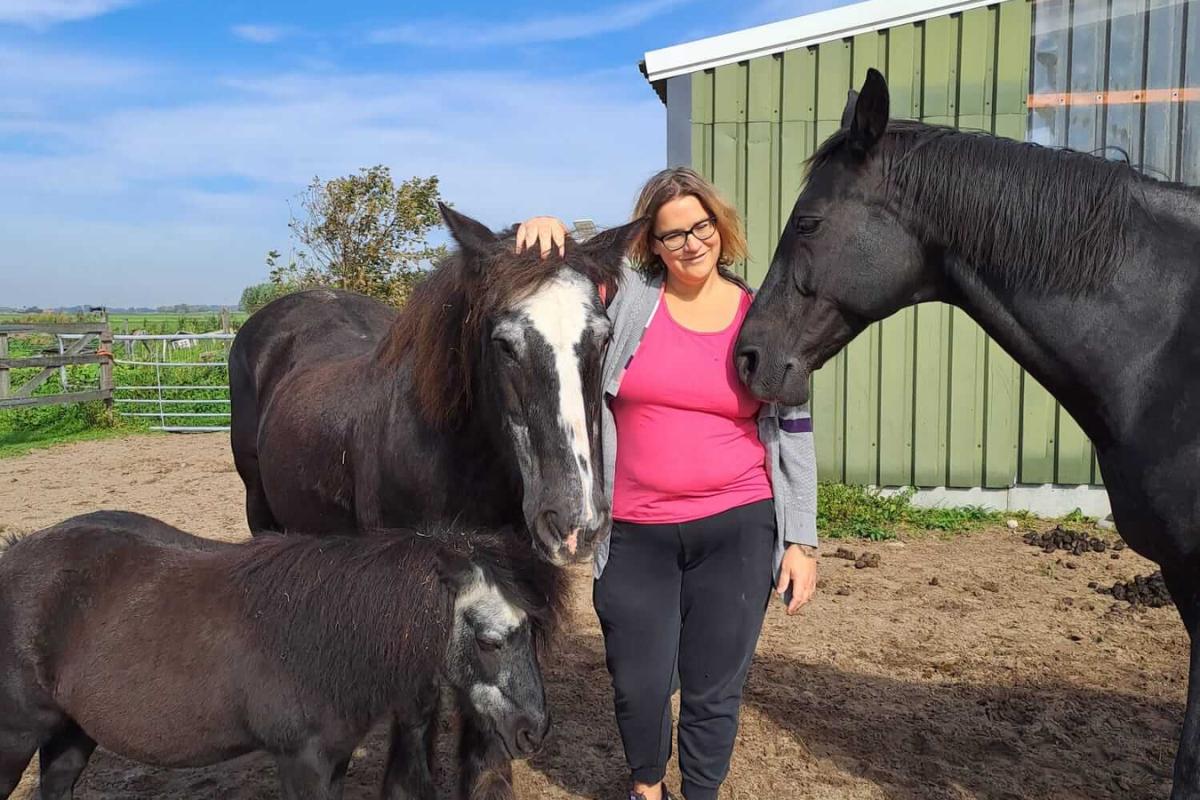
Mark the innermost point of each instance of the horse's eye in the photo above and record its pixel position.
(488, 645)
(808, 226)
(506, 347)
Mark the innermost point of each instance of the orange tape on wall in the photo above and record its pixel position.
(1133, 97)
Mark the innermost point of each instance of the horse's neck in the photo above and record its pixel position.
(459, 467)
(1099, 351)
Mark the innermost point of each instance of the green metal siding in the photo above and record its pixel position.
(925, 397)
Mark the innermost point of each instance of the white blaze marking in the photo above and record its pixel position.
(489, 700)
(493, 615)
(559, 312)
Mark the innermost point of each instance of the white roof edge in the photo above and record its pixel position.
(789, 34)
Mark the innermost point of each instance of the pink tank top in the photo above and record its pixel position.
(687, 431)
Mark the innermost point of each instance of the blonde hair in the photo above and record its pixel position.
(681, 182)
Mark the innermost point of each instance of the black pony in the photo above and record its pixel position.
(119, 630)
(1085, 271)
(477, 402)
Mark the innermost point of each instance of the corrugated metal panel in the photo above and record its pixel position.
(926, 398)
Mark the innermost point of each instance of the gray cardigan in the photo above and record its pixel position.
(785, 431)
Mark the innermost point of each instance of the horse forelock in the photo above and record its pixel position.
(536, 589)
(438, 333)
(491, 612)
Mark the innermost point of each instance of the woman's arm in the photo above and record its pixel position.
(796, 483)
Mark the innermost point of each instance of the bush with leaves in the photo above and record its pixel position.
(256, 296)
(363, 233)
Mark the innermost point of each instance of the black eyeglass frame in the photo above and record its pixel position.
(689, 232)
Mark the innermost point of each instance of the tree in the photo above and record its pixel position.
(256, 296)
(363, 233)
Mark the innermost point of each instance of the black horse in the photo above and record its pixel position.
(120, 630)
(477, 402)
(1084, 270)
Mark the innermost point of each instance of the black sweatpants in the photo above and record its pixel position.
(690, 596)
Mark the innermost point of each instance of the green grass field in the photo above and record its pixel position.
(149, 322)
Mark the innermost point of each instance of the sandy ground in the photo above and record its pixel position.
(1006, 677)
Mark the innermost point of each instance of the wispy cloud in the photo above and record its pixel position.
(43, 13)
(31, 71)
(262, 34)
(184, 199)
(554, 28)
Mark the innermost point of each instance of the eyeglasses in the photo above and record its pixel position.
(702, 230)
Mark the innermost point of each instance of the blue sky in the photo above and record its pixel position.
(149, 148)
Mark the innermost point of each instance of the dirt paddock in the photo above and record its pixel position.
(969, 667)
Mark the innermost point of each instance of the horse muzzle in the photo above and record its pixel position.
(772, 379)
(566, 543)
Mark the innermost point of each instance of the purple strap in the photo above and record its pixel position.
(798, 425)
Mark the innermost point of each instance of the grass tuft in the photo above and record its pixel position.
(857, 512)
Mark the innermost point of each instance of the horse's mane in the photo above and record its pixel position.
(359, 619)
(1032, 216)
(437, 333)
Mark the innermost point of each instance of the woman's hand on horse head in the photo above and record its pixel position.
(544, 232)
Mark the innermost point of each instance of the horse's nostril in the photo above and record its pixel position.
(549, 520)
(551, 531)
(747, 362)
(527, 740)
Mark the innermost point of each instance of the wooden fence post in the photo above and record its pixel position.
(4, 385)
(106, 365)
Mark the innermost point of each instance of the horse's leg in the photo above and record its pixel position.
(312, 774)
(63, 758)
(258, 510)
(16, 751)
(1183, 580)
(486, 768)
(243, 434)
(409, 773)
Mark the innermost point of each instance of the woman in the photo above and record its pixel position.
(713, 492)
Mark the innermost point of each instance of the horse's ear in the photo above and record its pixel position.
(610, 246)
(454, 570)
(848, 113)
(472, 236)
(871, 111)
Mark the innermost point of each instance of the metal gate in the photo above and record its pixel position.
(170, 380)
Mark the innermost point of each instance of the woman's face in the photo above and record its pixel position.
(693, 263)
